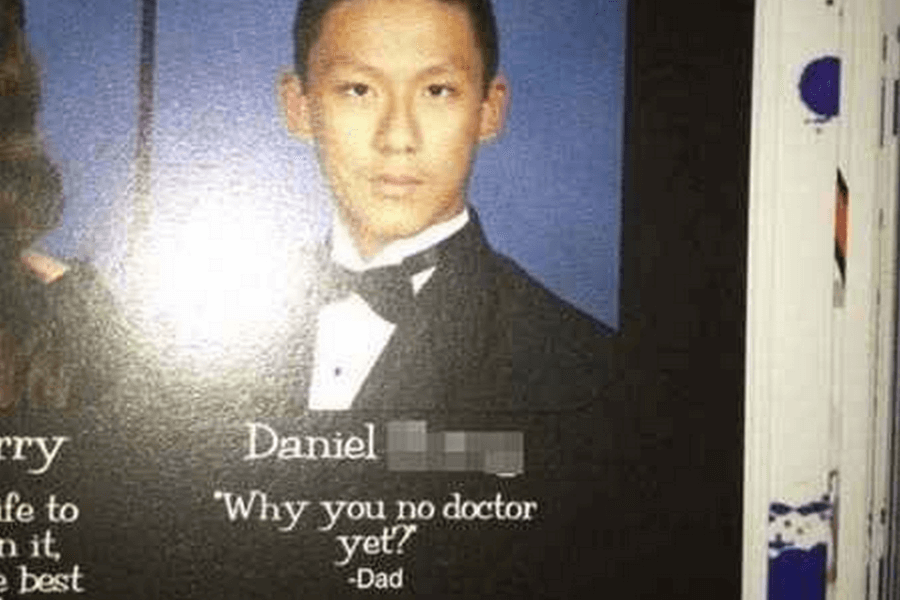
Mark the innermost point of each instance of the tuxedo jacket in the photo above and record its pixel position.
(484, 336)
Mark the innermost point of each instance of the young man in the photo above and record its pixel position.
(415, 309)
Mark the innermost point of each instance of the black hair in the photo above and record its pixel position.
(311, 13)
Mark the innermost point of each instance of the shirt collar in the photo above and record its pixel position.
(344, 252)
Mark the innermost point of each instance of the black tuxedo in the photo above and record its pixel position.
(484, 335)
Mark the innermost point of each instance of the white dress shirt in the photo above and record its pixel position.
(350, 336)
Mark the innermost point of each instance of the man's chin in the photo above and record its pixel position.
(378, 233)
(391, 219)
(385, 233)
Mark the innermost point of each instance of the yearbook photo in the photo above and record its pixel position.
(338, 298)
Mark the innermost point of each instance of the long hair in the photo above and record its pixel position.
(30, 187)
(31, 354)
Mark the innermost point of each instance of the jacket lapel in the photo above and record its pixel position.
(430, 361)
(406, 374)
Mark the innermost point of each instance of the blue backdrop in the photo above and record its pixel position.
(548, 192)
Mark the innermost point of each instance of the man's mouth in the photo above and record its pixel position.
(396, 184)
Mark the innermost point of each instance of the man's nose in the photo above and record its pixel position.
(398, 131)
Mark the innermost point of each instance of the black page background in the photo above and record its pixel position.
(684, 275)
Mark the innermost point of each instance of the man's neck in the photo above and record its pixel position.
(345, 251)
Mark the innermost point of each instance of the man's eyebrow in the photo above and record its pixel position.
(446, 67)
(343, 60)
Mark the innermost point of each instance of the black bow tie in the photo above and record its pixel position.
(387, 290)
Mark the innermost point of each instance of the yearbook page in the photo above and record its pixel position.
(326, 299)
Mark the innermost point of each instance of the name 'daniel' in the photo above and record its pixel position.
(264, 441)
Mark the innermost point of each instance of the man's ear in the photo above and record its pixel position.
(493, 109)
(295, 105)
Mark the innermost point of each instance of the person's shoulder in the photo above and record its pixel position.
(71, 280)
(84, 324)
(77, 291)
(528, 299)
(561, 355)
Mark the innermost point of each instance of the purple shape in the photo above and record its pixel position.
(814, 507)
(797, 574)
(779, 508)
(820, 87)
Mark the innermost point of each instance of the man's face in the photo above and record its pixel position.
(396, 104)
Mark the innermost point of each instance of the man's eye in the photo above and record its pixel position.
(356, 90)
(440, 91)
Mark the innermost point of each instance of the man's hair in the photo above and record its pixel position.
(311, 14)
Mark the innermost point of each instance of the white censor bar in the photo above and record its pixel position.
(411, 447)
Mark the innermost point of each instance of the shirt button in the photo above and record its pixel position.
(338, 371)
